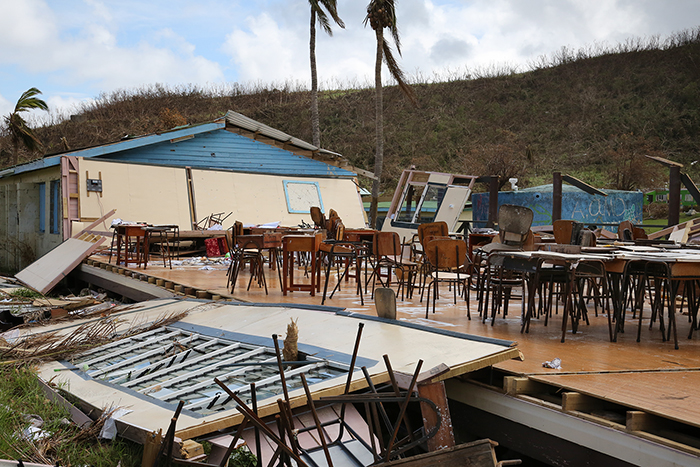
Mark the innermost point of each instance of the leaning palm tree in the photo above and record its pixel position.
(382, 14)
(317, 7)
(19, 131)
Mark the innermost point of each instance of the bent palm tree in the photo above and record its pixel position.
(17, 126)
(317, 7)
(382, 14)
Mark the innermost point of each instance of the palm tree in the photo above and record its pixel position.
(382, 14)
(317, 7)
(17, 126)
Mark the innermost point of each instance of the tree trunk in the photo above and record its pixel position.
(379, 129)
(315, 130)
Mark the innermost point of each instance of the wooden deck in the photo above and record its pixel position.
(649, 376)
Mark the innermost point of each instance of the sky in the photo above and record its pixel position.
(78, 50)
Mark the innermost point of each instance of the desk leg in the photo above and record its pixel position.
(146, 249)
(119, 248)
(285, 267)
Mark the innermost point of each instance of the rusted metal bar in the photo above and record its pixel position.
(232, 446)
(351, 370)
(397, 392)
(254, 402)
(281, 370)
(321, 432)
(256, 421)
(402, 412)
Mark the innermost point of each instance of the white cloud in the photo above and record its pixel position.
(5, 107)
(91, 56)
(85, 47)
(266, 52)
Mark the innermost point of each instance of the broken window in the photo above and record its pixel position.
(171, 364)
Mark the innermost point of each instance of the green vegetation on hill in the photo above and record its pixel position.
(592, 113)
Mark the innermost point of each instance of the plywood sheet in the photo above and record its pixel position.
(139, 193)
(43, 274)
(327, 332)
(259, 199)
(669, 394)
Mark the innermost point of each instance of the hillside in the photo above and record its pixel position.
(592, 113)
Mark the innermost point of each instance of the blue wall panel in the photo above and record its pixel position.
(223, 150)
(576, 204)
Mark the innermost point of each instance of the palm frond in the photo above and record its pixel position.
(332, 8)
(28, 101)
(323, 22)
(397, 73)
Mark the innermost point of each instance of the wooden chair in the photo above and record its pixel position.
(338, 251)
(448, 262)
(318, 217)
(627, 231)
(388, 254)
(248, 249)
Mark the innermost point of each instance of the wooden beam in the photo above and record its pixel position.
(445, 437)
(692, 188)
(556, 196)
(513, 385)
(574, 401)
(639, 421)
(493, 201)
(674, 195)
(665, 162)
(591, 190)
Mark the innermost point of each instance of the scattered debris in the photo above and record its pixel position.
(554, 364)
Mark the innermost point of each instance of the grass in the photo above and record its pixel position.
(664, 222)
(22, 401)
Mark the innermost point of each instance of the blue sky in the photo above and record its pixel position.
(76, 50)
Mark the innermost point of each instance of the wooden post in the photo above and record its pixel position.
(674, 195)
(493, 201)
(445, 437)
(556, 196)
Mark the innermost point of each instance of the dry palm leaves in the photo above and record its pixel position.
(57, 346)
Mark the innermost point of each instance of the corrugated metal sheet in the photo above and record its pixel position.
(222, 150)
(241, 121)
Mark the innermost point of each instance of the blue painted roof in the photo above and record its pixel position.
(220, 149)
(205, 146)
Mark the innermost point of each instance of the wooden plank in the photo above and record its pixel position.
(43, 274)
(445, 437)
(131, 288)
(574, 401)
(477, 454)
(523, 385)
(672, 395)
(96, 223)
(639, 421)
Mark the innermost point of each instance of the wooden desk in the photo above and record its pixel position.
(300, 243)
(125, 232)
